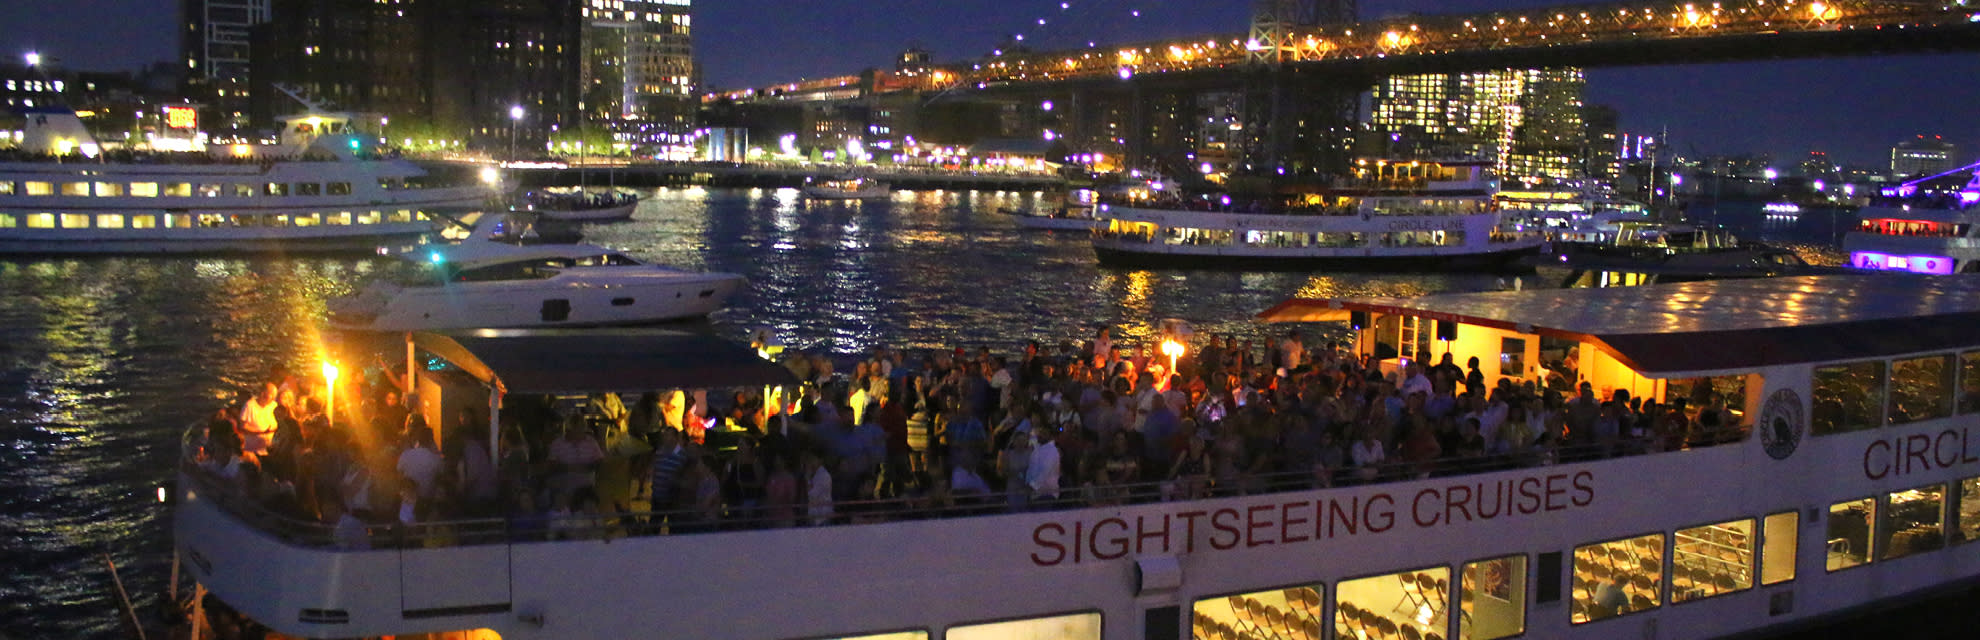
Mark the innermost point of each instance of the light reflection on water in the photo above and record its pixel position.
(103, 362)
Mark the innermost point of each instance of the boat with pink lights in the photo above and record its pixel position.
(1927, 225)
(1839, 471)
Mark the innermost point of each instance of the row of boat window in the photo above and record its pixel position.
(1865, 395)
(1487, 599)
(191, 189)
(203, 220)
(1292, 239)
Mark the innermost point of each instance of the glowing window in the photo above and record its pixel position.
(1382, 605)
(401, 215)
(144, 189)
(75, 221)
(1712, 560)
(109, 221)
(1617, 578)
(75, 188)
(6, 188)
(341, 218)
(1782, 534)
(1295, 609)
(109, 189)
(38, 188)
(1848, 397)
(368, 217)
(179, 189)
(306, 219)
(41, 221)
(244, 191)
(1921, 389)
(275, 189)
(1492, 595)
(6, 221)
(211, 190)
(1852, 525)
(1066, 627)
(144, 222)
(1914, 522)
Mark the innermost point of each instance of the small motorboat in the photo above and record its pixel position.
(847, 189)
(580, 206)
(1061, 219)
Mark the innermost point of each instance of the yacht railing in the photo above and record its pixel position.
(526, 528)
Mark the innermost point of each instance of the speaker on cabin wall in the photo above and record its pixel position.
(1358, 320)
(1446, 330)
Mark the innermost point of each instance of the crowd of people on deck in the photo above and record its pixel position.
(942, 434)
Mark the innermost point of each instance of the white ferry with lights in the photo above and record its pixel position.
(1926, 225)
(1844, 476)
(321, 189)
(1391, 217)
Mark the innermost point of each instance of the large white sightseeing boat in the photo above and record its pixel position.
(1926, 225)
(320, 189)
(1847, 478)
(482, 283)
(1389, 217)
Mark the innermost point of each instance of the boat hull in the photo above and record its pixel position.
(533, 305)
(603, 214)
(311, 240)
(1133, 255)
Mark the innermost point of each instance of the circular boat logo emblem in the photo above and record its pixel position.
(1781, 422)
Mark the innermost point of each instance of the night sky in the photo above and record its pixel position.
(1853, 108)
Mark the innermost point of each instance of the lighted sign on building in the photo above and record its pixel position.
(177, 117)
(1874, 261)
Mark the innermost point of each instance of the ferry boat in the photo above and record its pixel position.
(579, 205)
(847, 189)
(1400, 217)
(321, 189)
(1846, 477)
(1922, 226)
(486, 284)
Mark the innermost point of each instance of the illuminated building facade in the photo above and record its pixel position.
(1528, 121)
(354, 55)
(638, 72)
(1922, 156)
(216, 43)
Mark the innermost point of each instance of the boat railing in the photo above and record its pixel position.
(298, 529)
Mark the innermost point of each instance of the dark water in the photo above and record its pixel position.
(104, 361)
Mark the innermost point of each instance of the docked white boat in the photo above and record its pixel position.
(1079, 218)
(484, 284)
(314, 192)
(1930, 225)
(1426, 217)
(582, 206)
(847, 189)
(1845, 475)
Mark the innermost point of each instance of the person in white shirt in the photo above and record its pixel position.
(817, 491)
(1367, 455)
(420, 463)
(1042, 474)
(258, 422)
(1416, 382)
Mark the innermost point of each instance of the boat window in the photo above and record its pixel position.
(1848, 397)
(1921, 389)
(1512, 357)
(1698, 394)
(605, 260)
(390, 183)
(306, 219)
(1074, 626)
(1850, 526)
(38, 188)
(75, 221)
(368, 217)
(507, 271)
(1712, 560)
(1966, 514)
(1292, 612)
(75, 188)
(1493, 599)
(275, 189)
(109, 189)
(1617, 578)
(144, 189)
(1780, 536)
(337, 188)
(178, 189)
(210, 220)
(179, 221)
(341, 218)
(41, 221)
(309, 189)
(7, 221)
(244, 191)
(278, 220)
(401, 215)
(109, 221)
(245, 220)
(892, 635)
(1384, 605)
(210, 190)
(6, 188)
(1969, 381)
(1915, 522)
(144, 222)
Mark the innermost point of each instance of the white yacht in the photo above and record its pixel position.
(1392, 216)
(847, 189)
(321, 189)
(486, 284)
(1929, 225)
(1845, 476)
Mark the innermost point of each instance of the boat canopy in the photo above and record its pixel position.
(1715, 325)
(564, 361)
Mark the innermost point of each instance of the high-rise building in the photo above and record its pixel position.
(638, 68)
(1528, 121)
(352, 55)
(1604, 148)
(216, 46)
(1922, 156)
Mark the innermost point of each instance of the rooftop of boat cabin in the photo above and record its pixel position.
(1709, 325)
(551, 361)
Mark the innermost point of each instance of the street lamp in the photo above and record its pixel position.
(515, 121)
(33, 59)
(330, 382)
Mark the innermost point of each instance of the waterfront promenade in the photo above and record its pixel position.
(771, 175)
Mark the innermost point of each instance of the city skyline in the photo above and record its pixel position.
(1853, 108)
